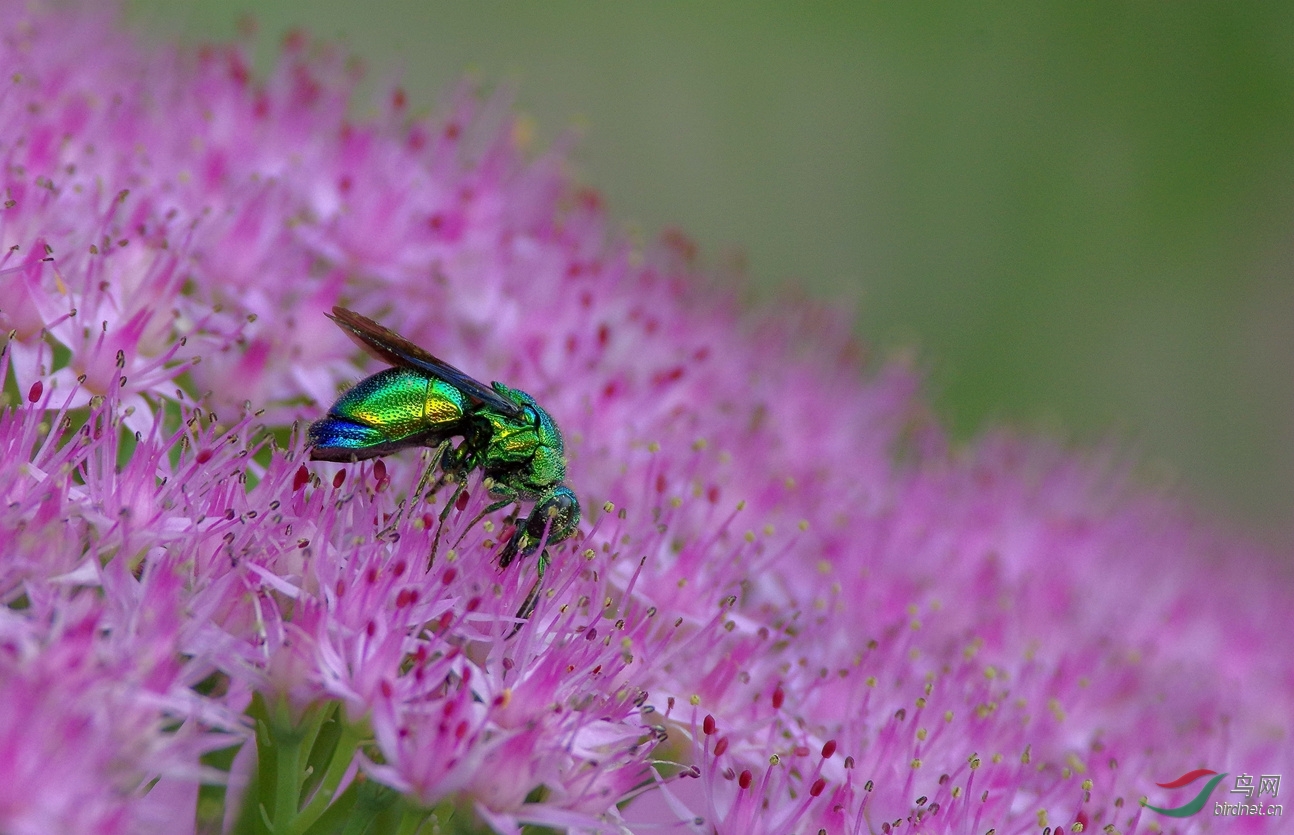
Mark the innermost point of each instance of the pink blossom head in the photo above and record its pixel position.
(793, 605)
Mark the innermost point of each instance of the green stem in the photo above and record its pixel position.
(413, 819)
(324, 795)
(287, 786)
(372, 801)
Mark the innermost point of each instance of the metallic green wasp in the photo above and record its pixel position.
(423, 401)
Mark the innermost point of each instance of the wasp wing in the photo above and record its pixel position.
(388, 346)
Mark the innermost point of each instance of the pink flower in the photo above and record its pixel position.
(792, 607)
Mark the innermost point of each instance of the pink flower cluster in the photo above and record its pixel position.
(793, 607)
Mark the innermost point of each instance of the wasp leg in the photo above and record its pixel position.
(532, 597)
(423, 481)
(461, 479)
(499, 505)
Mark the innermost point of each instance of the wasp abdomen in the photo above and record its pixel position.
(392, 409)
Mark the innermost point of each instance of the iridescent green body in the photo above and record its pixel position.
(391, 410)
(423, 401)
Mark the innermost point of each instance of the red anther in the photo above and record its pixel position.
(473, 604)
(370, 629)
(452, 131)
(660, 482)
(406, 597)
(604, 335)
(461, 730)
(339, 479)
(36, 390)
(707, 725)
(669, 375)
(341, 587)
(461, 503)
(745, 779)
(299, 480)
(379, 470)
(712, 494)
(591, 635)
(399, 568)
(371, 575)
(387, 689)
(779, 696)
(721, 746)
(817, 787)
(398, 98)
(828, 748)
(203, 456)
(449, 575)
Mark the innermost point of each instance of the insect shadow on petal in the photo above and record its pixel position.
(423, 401)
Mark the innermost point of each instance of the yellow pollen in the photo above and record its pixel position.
(768, 530)
(608, 507)
(824, 567)
(700, 444)
(653, 447)
(695, 699)
(741, 505)
(948, 716)
(750, 536)
(804, 524)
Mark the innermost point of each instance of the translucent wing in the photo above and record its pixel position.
(391, 348)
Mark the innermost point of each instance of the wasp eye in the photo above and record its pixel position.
(534, 417)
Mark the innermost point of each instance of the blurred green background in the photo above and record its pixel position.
(1081, 214)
